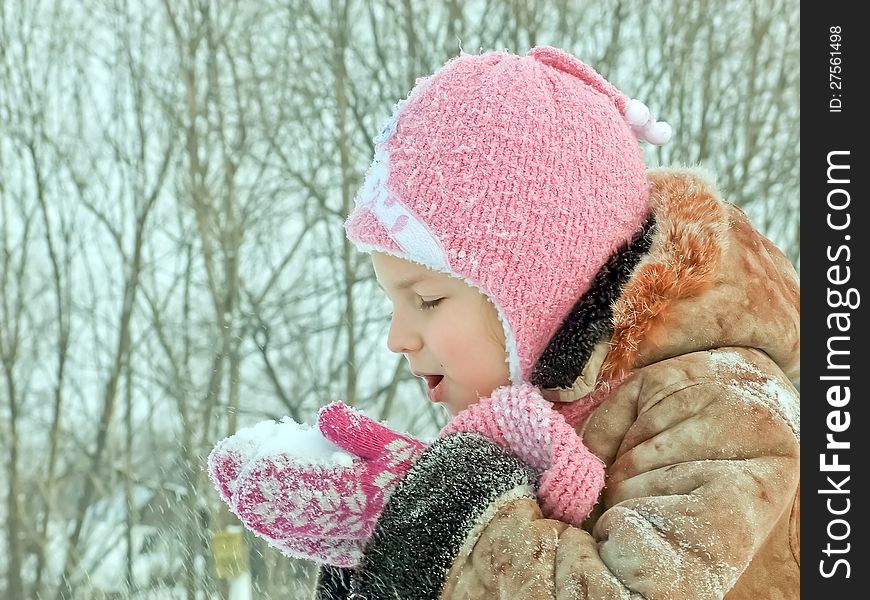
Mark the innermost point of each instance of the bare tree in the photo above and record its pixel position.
(13, 324)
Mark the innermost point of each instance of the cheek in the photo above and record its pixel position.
(473, 355)
(446, 339)
(448, 345)
(463, 341)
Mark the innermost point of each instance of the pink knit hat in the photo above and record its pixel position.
(519, 174)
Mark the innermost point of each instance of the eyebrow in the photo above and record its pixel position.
(404, 284)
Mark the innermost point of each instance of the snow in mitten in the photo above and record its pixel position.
(307, 496)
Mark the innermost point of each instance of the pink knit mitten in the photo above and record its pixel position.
(519, 419)
(324, 507)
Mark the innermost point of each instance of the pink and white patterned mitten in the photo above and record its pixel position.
(313, 493)
(518, 419)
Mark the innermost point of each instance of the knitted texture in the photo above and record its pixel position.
(518, 174)
(519, 419)
(319, 512)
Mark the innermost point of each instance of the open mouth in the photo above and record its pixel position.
(433, 386)
(433, 380)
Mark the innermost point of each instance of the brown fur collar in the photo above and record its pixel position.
(691, 227)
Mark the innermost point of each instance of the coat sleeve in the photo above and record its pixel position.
(696, 486)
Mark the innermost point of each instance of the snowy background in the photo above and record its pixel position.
(173, 180)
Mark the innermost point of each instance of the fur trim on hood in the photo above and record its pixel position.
(710, 280)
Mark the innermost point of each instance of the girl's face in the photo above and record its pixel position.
(449, 332)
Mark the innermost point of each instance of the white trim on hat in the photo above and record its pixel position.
(400, 223)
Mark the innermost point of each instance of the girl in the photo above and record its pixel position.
(647, 341)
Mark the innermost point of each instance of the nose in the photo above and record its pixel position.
(403, 338)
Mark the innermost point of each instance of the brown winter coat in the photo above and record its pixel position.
(700, 438)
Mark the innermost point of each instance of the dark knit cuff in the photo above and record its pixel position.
(333, 583)
(430, 515)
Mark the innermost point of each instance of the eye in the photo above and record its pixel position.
(429, 304)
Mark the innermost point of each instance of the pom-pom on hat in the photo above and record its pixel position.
(519, 174)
